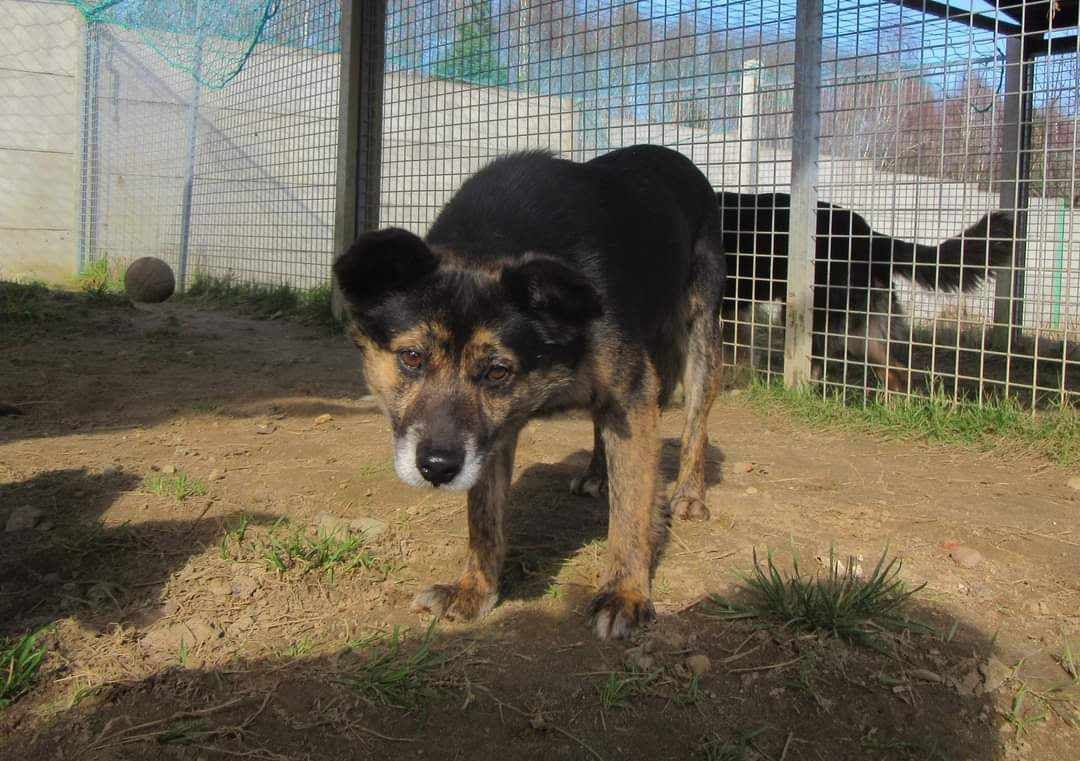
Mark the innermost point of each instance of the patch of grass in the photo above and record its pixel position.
(185, 732)
(618, 688)
(20, 662)
(837, 601)
(299, 648)
(23, 302)
(1055, 434)
(263, 301)
(1019, 717)
(232, 541)
(691, 694)
(206, 407)
(184, 654)
(285, 548)
(180, 486)
(1069, 661)
(717, 748)
(393, 677)
(325, 553)
(101, 278)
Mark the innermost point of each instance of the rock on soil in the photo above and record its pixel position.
(167, 640)
(966, 557)
(23, 518)
(699, 665)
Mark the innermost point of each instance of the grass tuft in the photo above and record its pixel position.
(392, 677)
(285, 548)
(180, 486)
(995, 423)
(838, 601)
(20, 662)
(263, 301)
(736, 749)
(100, 278)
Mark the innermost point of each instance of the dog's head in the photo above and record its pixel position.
(460, 355)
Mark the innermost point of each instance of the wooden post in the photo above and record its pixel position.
(363, 44)
(805, 138)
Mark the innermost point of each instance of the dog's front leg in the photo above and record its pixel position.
(477, 590)
(632, 441)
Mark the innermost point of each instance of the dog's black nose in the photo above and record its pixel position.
(438, 465)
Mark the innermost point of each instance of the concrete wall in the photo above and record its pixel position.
(40, 44)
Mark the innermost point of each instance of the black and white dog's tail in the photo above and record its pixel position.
(959, 263)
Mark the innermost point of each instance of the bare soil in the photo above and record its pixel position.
(171, 638)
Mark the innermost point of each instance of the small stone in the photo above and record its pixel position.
(637, 658)
(674, 640)
(742, 467)
(168, 469)
(699, 665)
(994, 674)
(324, 418)
(219, 588)
(264, 429)
(215, 475)
(243, 586)
(327, 524)
(22, 518)
(751, 491)
(240, 625)
(926, 675)
(371, 528)
(966, 557)
(45, 526)
(1074, 483)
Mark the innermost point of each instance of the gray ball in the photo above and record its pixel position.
(149, 280)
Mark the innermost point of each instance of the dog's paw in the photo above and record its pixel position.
(588, 485)
(614, 614)
(689, 509)
(454, 602)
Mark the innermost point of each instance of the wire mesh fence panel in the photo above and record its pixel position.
(468, 81)
(930, 124)
(211, 136)
(40, 153)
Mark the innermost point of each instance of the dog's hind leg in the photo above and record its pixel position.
(701, 381)
(477, 589)
(594, 481)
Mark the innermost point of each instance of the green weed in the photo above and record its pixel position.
(180, 486)
(393, 677)
(20, 662)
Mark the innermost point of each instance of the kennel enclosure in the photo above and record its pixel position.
(252, 140)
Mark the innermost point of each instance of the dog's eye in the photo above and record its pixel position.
(411, 359)
(497, 373)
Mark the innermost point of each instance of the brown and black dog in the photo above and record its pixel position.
(547, 285)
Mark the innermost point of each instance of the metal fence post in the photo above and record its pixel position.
(1015, 173)
(191, 161)
(363, 43)
(89, 131)
(805, 138)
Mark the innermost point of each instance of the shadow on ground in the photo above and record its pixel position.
(524, 684)
(71, 563)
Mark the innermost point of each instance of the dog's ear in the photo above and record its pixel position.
(561, 298)
(380, 263)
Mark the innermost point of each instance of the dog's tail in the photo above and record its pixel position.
(957, 263)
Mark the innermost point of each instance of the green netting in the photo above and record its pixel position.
(209, 39)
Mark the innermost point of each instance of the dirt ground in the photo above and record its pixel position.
(173, 634)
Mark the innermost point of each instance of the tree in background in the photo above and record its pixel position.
(473, 55)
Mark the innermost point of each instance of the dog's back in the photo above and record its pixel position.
(611, 218)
